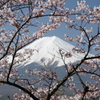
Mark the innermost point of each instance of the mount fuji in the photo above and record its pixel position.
(46, 51)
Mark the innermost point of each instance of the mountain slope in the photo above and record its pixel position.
(46, 50)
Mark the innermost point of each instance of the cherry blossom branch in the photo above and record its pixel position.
(86, 88)
(13, 58)
(45, 15)
(1, 5)
(20, 47)
(95, 57)
(26, 83)
(89, 72)
(19, 28)
(96, 36)
(60, 83)
(65, 78)
(20, 87)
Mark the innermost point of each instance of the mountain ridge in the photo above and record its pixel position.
(47, 50)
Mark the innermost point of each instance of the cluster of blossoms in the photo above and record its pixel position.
(23, 1)
(81, 6)
(91, 64)
(24, 96)
(65, 53)
(93, 94)
(70, 85)
(38, 12)
(25, 55)
(92, 16)
(80, 38)
(95, 15)
(44, 74)
(13, 74)
(95, 77)
(45, 28)
(9, 16)
(44, 91)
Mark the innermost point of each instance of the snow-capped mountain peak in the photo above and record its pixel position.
(46, 50)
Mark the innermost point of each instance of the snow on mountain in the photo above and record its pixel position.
(47, 51)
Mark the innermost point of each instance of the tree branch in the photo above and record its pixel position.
(20, 87)
(60, 83)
